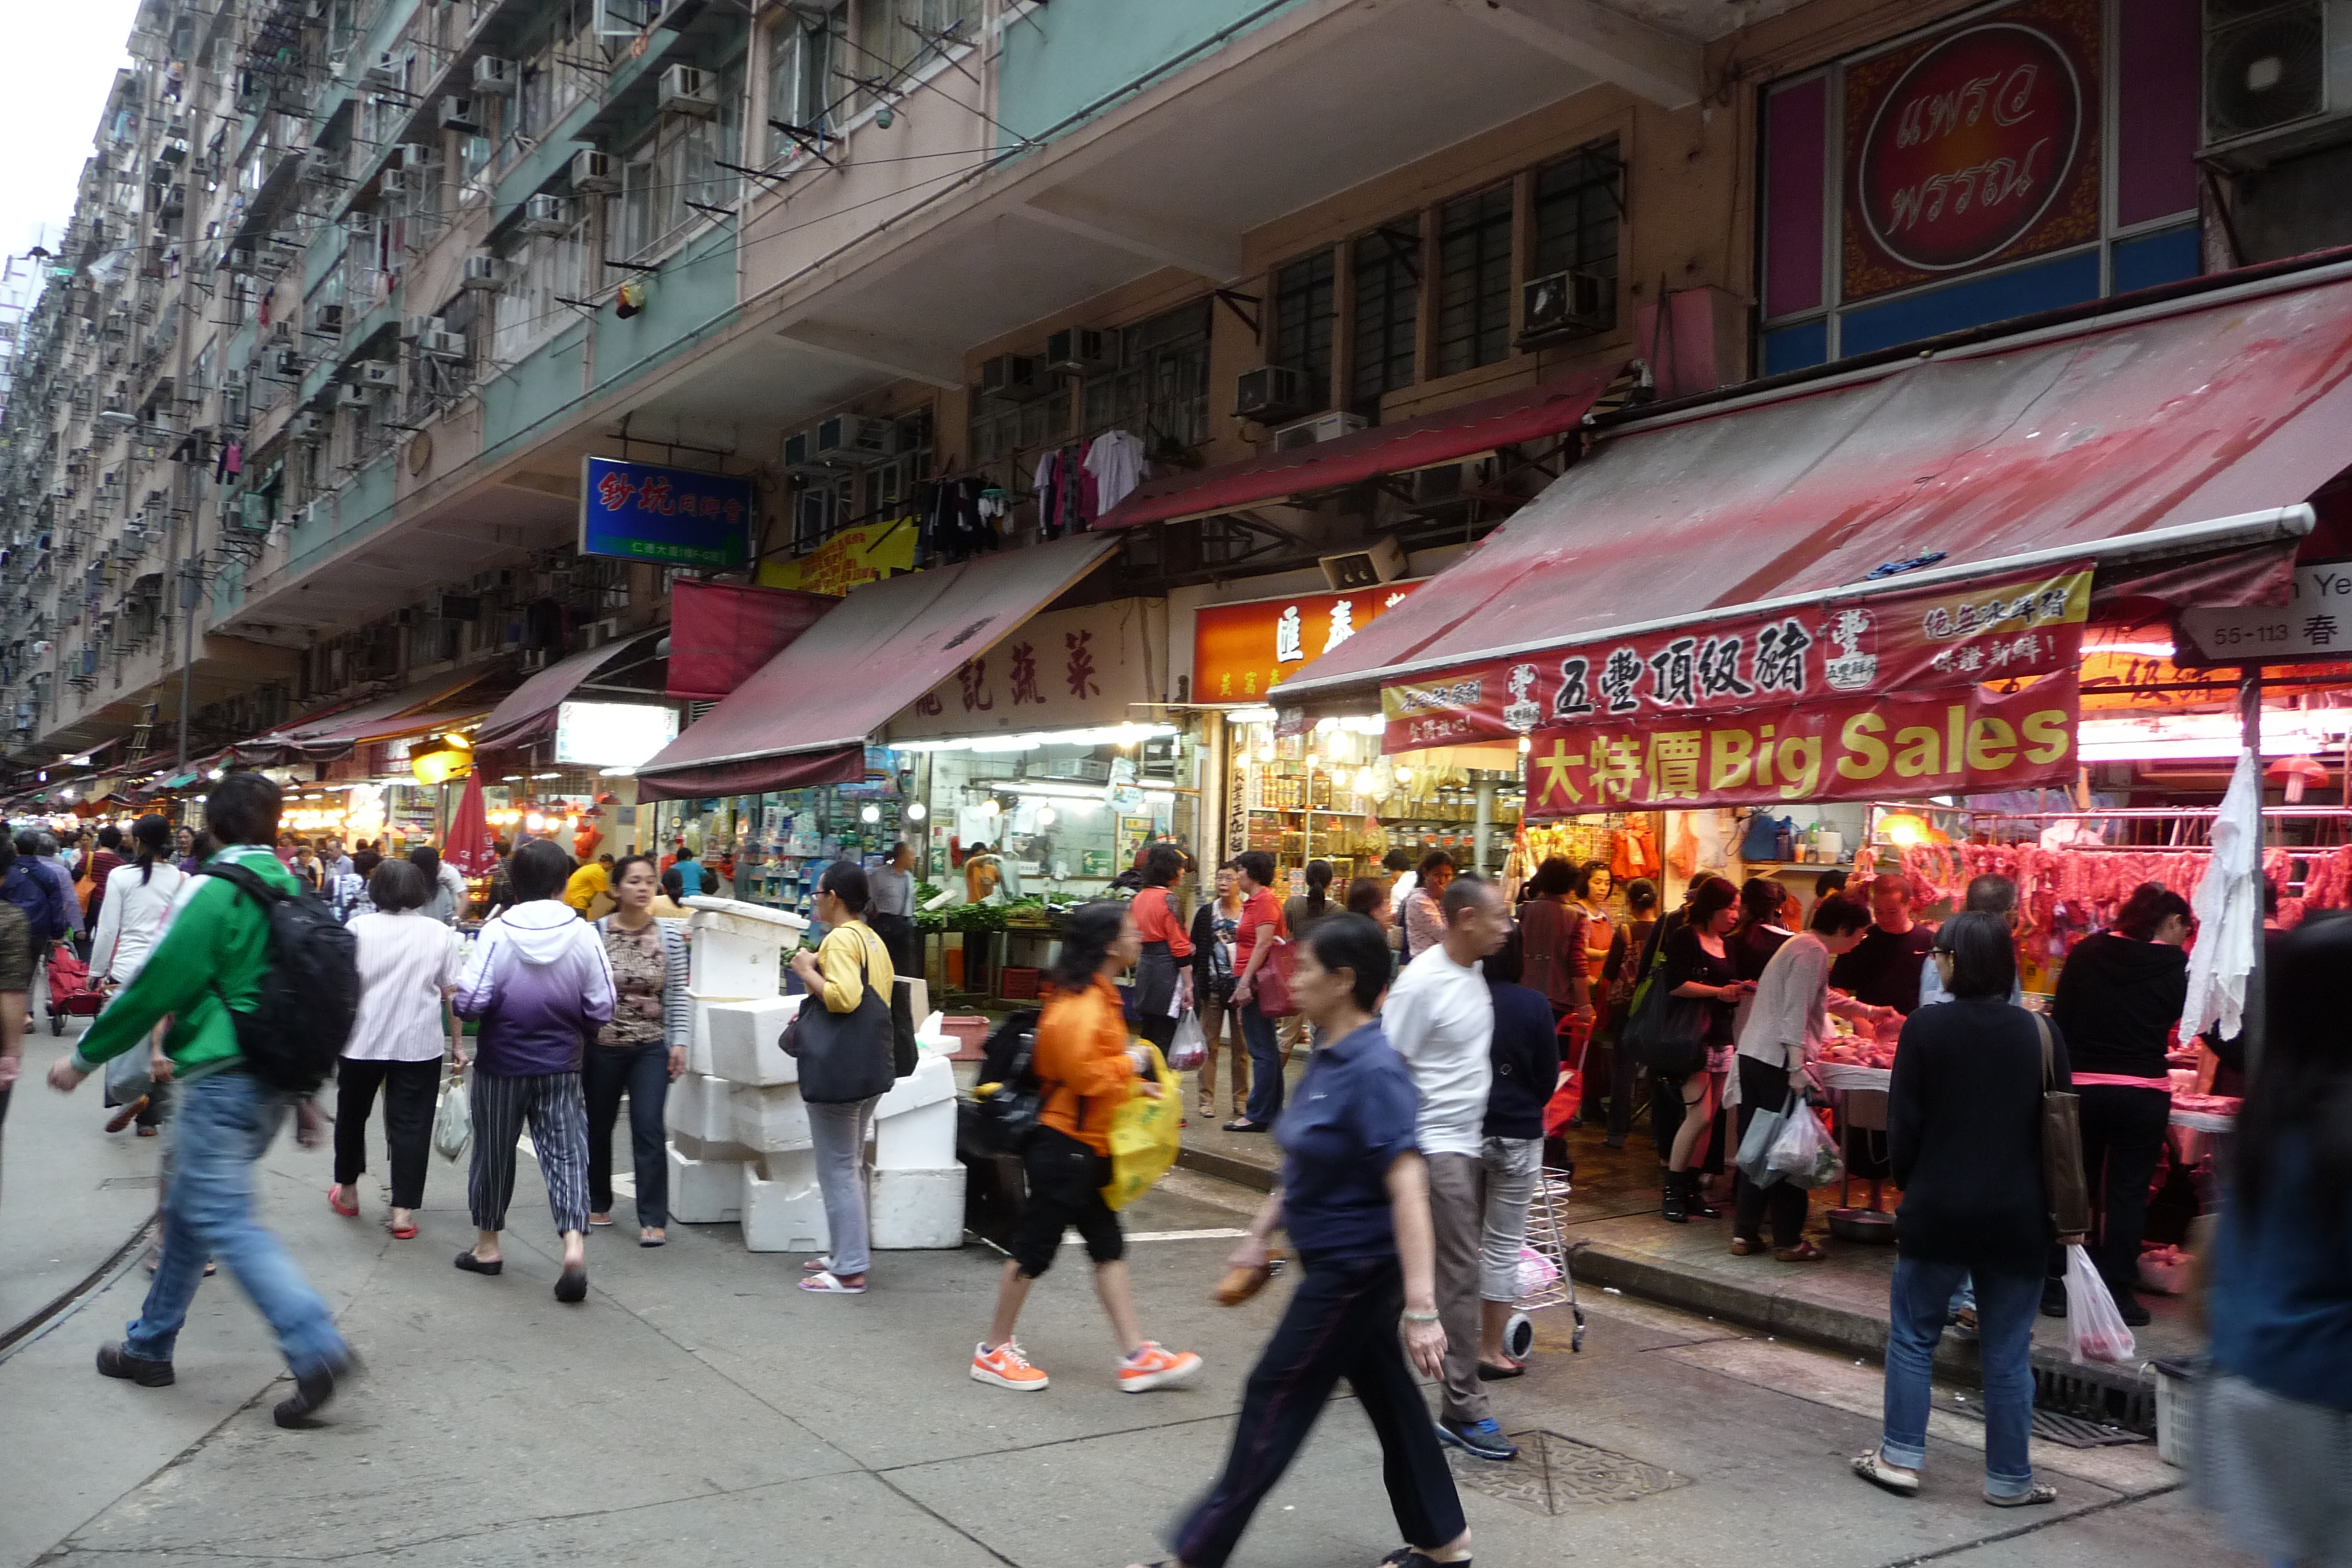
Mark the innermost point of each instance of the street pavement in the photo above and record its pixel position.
(697, 1410)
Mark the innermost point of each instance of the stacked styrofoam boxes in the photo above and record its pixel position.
(736, 961)
(918, 1180)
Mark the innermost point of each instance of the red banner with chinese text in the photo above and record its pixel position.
(2015, 627)
(1959, 740)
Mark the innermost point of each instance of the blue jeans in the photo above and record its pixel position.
(2006, 1305)
(1266, 1065)
(220, 1128)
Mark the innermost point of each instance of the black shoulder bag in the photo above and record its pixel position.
(843, 1057)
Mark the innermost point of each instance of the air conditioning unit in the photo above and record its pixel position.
(1016, 378)
(1567, 304)
(281, 334)
(457, 114)
(288, 364)
(393, 183)
(1322, 427)
(360, 227)
(444, 345)
(453, 607)
(377, 373)
(355, 395)
(330, 321)
(309, 425)
(483, 271)
(497, 77)
(799, 453)
(849, 440)
(592, 174)
(686, 90)
(389, 70)
(1080, 350)
(1273, 393)
(2278, 79)
(416, 329)
(546, 215)
(1383, 562)
(416, 156)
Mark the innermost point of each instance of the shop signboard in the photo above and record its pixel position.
(2316, 623)
(1957, 740)
(612, 734)
(2017, 626)
(849, 559)
(1241, 652)
(1972, 147)
(674, 516)
(1066, 669)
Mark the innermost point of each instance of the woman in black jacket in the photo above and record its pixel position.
(1964, 1133)
(1525, 1053)
(2118, 997)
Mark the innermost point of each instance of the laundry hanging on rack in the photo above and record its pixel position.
(1065, 491)
(955, 527)
(1117, 462)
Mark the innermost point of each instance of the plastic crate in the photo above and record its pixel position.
(1017, 985)
(2176, 1411)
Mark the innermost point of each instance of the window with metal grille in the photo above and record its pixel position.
(1306, 314)
(1473, 280)
(1580, 203)
(1385, 275)
(806, 55)
(1160, 389)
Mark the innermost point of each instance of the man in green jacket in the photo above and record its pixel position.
(209, 964)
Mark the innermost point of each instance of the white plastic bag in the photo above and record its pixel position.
(1756, 1148)
(2096, 1330)
(1535, 1272)
(1803, 1153)
(452, 1124)
(1190, 1049)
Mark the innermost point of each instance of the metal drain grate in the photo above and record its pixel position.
(1554, 1474)
(2056, 1426)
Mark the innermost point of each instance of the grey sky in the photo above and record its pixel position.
(59, 63)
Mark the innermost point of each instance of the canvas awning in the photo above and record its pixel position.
(1450, 436)
(529, 712)
(805, 716)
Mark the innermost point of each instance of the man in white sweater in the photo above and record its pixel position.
(1440, 1019)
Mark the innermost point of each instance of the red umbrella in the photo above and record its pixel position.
(469, 846)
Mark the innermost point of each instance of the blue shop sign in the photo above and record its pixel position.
(679, 517)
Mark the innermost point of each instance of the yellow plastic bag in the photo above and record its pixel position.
(1144, 1133)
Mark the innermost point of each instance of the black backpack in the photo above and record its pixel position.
(1015, 1099)
(310, 992)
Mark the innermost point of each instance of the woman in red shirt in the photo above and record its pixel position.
(1162, 974)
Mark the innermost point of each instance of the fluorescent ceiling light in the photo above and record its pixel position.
(2182, 737)
(1250, 715)
(1100, 735)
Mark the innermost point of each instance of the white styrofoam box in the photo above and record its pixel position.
(917, 1208)
(786, 1214)
(918, 995)
(697, 1046)
(698, 1106)
(739, 953)
(743, 1035)
(918, 1140)
(772, 1120)
(704, 1191)
(720, 1151)
(932, 1080)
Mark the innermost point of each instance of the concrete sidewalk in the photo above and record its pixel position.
(1839, 1304)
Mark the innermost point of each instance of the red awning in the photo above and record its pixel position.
(360, 731)
(804, 717)
(2082, 436)
(332, 731)
(529, 712)
(1530, 414)
(721, 633)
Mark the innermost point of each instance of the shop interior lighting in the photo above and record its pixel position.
(1100, 735)
(216, 773)
(617, 773)
(1403, 776)
(1250, 715)
(990, 807)
(916, 811)
(1045, 816)
(1066, 789)
(1265, 752)
(1903, 830)
(869, 814)
(2189, 737)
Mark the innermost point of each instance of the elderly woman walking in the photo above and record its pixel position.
(408, 966)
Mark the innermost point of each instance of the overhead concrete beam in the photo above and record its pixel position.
(1213, 255)
(852, 345)
(1651, 64)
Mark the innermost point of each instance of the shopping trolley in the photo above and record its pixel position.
(1546, 1267)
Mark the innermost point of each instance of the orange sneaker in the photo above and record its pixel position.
(1152, 1367)
(1006, 1367)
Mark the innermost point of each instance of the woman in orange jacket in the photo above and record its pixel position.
(1085, 1063)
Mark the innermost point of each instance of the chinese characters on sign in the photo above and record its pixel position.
(675, 517)
(1959, 740)
(848, 560)
(2316, 623)
(1065, 670)
(1241, 652)
(2021, 627)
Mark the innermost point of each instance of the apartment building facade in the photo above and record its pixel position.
(354, 288)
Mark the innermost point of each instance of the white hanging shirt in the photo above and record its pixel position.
(1116, 460)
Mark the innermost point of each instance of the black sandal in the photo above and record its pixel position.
(572, 1285)
(1243, 1125)
(473, 1265)
(1414, 1557)
(1490, 1372)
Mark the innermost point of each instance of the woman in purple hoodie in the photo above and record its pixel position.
(542, 987)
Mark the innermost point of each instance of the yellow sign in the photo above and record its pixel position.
(860, 556)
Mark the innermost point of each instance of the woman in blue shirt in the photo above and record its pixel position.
(2274, 1454)
(1355, 1198)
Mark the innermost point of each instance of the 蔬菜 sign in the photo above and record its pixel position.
(2016, 626)
(2316, 623)
(675, 517)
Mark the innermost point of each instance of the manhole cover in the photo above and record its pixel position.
(1554, 1474)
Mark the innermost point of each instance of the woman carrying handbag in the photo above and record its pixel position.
(842, 1037)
